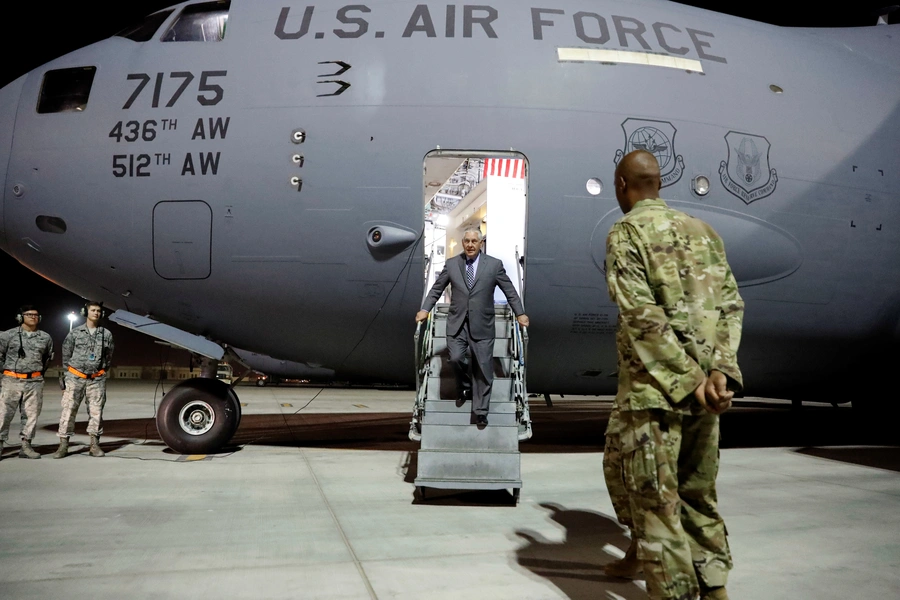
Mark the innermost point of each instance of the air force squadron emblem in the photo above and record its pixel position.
(657, 138)
(746, 173)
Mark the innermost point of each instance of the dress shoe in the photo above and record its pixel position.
(481, 420)
(465, 395)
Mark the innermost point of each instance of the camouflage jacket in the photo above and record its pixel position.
(38, 350)
(680, 312)
(88, 352)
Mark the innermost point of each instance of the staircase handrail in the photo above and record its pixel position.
(424, 347)
(520, 388)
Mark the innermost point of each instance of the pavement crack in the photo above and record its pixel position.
(337, 523)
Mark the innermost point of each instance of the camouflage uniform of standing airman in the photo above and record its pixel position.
(23, 379)
(86, 357)
(680, 317)
(612, 470)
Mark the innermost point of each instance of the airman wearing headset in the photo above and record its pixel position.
(25, 353)
(87, 351)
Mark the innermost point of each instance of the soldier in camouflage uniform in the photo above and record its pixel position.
(87, 352)
(628, 567)
(25, 352)
(679, 328)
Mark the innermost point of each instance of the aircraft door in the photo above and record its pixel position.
(480, 189)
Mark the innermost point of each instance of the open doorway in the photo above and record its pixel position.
(481, 189)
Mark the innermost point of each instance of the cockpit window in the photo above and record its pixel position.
(143, 31)
(200, 23)
(66, 90)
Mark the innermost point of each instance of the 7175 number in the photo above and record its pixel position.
(211, 93)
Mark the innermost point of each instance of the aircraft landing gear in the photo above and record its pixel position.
(198, 416)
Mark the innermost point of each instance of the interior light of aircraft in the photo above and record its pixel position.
(442, 220)
(700, 184)
(776, 89)
(594, 186)
(298, 136)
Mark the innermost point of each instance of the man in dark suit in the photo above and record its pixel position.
(472, 277)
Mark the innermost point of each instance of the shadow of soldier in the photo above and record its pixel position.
(574, 565)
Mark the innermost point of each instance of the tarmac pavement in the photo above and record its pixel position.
(314, 499)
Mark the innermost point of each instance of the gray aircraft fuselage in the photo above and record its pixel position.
(177, 191)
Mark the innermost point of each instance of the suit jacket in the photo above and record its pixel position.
(477, 303)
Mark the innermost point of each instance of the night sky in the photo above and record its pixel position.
(35, 33)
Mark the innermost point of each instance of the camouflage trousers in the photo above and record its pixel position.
(670, 462)
(612, 471)
(78, 389)
(28, 392)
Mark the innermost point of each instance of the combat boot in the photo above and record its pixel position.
(628, 567)
(95, 446)
(27, 451)
(63, 448)
(718, 593)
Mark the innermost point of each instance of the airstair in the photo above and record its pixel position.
(454, 452)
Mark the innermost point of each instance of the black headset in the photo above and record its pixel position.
(84, 313)
(19, 319)
(25, 309)
(87, 305)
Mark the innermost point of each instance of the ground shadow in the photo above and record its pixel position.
(569, 426)
(574, 565)
(483, 498)
(76, 447)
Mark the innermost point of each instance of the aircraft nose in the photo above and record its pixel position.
(9, 104)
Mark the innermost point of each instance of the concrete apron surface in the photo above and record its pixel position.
(316, 501)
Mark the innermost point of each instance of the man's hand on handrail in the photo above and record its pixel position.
(421, 316)
(523, 320)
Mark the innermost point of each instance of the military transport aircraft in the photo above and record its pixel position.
(264, 170)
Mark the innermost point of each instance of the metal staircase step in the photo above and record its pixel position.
(469, 470)
(497, 407)
(440, 365)
(501, 438)
(445, 389)
(466, 418)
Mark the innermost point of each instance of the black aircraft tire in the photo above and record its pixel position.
(235, 405)
(198, 416)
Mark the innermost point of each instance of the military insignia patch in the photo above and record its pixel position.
(746, 173)
(657, 138)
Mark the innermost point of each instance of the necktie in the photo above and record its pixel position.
(470, 273)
